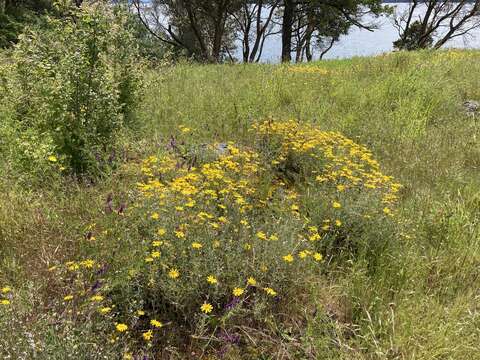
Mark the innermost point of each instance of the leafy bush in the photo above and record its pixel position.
(226, 235)
(77, 82)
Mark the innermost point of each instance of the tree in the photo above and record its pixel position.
(443, 19)
(202, 28)
(322, 19)
(254, 22)
(317, 27)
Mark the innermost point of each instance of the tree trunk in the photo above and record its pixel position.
(308, 47)
(287, 29)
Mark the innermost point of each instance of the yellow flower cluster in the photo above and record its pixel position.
(308, 70)
(343, 163)
(4, 292)
(227, 228)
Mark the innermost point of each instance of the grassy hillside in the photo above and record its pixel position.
(403, 288)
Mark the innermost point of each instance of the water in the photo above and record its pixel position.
(361, 42)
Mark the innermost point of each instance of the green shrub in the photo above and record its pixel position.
(77, 82)
(224, 237)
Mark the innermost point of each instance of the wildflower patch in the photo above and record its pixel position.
(230, 235)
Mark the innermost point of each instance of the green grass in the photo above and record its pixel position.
(418, 299)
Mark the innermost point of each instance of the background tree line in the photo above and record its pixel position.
(210, 31)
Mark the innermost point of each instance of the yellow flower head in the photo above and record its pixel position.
(288, 258)
(336, 205)
(206, 308)
(6, 289)
(270, 291)
(68, 298)
(197, 245)
(156, 323)
(317, 257)
(212, 280)
(96, 298)
(121, 327)
(303, 254)
(4, 302)
(161, 231)
(105, 310)
(238, 291)
(173, 274)
(88, 264)
(261, 235)
(147, 335)
(180, 234)
(251, 281)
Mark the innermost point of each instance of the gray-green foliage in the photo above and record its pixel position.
(75, 85)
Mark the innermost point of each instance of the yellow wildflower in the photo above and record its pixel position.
(288, 258)
(173, 274)
(238, 291)
(270, 291)
(156, 323)
(303, 254)
(180, 234)
(88, 264)
(121, 327)
(68, 298)
(196, 245)
(251, 281)
(317, 257)
(147, 335)
(261, 235)
(212, 280)
(206, 308)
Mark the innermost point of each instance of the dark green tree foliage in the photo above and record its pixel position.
(306, 23)
(15, 14)
(411, 36)
(202, 29)
(432, 23)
